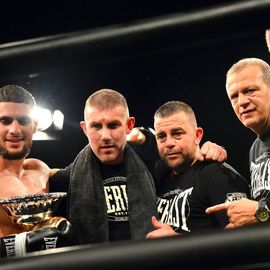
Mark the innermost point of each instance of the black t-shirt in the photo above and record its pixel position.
(60, 183)
(114, 182)
(259, 159)
(182, 199)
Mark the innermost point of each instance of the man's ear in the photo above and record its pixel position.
(199, 135)
(83, 126)
(130, 124)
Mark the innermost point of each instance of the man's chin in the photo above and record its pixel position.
(15, 155)
(110, 160)
(250, 124)
(106, 158)
(177, 165)
(173, 163)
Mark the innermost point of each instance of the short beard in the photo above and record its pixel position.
(7, 155)
(183, 166)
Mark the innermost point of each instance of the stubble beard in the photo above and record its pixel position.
(15, 156)
(182, 165)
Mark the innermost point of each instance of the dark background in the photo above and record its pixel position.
(158, 71)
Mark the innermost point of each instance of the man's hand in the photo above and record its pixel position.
(53, 171)
(211, 151)
(136, 136)
(162, 230)
(239, 212)
(267, 38)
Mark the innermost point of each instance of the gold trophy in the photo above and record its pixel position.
(34, 211)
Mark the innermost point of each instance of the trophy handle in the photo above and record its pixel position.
(53, 222)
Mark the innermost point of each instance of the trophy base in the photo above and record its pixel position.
(28, 222)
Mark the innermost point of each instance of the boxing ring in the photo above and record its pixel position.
(102, 45)
(244, 248)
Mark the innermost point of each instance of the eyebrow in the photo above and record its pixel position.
(114, 122)
(171, 130)
(6, 117)
(176, 129)
(109, 123)
(158, 133)
(11, 117)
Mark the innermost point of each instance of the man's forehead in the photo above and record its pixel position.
(15, 108)
(113, 114)
(103, 110)
(244, 78)
(250, 72)
(174, 121)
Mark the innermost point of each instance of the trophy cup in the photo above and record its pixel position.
(34, 211)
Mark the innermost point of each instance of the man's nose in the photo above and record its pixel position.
(243, 100)
(15, 127)
(106, 134)
(169, 142)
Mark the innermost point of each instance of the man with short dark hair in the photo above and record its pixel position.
(193, 185)
(19, 176)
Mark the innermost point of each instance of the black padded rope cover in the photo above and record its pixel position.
(212, 250)
(174, 31)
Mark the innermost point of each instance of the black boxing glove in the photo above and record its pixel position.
(46, 237)
(40, 239)
(7, 246)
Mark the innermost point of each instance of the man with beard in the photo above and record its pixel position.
(20, 176)
(184, 195)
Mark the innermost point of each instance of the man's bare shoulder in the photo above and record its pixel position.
(39, 165)
(35, 164)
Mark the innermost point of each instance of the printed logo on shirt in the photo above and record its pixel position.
(260, 175)
(116, 198)
(235, 196)
(173, 208)
(263, 156)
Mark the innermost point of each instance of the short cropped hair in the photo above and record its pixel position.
(244, 63)
(173, 107)
(106, 99)
(17, 94)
